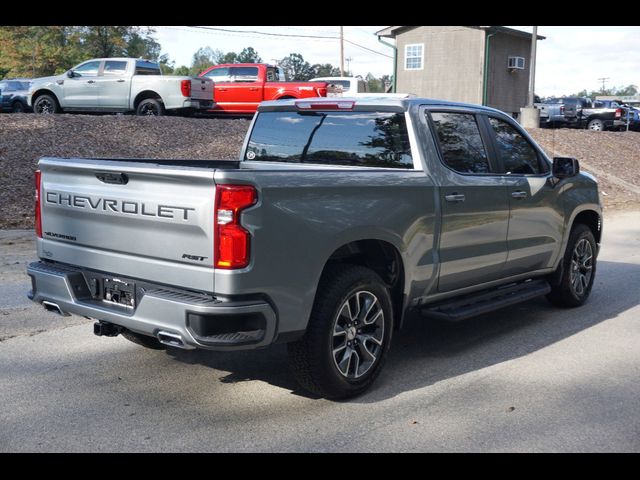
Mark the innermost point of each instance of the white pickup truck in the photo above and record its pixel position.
(120, 85)
(353, 87)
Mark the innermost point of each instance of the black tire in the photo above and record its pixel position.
(18, 107)
(144, 340)
(150, 107)
(596, 125)
(46, 104)
(565, 290)
(313, 359)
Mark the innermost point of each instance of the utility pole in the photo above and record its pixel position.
(348, 60)
(342, 51)
(603, 80)
(532, 67)
(530, 115)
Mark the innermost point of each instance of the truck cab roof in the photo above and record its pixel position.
(371, 102)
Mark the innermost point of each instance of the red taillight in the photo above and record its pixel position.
(185, 86)
(322, 105)
(618, 112)
(231, 249)
(561, 109)
(38, 212)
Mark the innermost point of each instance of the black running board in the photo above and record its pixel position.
(469, 306)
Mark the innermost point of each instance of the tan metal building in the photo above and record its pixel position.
(481, 65)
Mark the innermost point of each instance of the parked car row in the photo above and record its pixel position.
(582, 112)
(129, 85)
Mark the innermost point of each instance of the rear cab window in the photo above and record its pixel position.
(147, 68)
(353, 138)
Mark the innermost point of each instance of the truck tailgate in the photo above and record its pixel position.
(201, 88)
(144, 220)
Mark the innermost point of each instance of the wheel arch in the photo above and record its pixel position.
(43, 91)
(382, 257)
(145, 94)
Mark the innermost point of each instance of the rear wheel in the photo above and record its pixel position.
(348, 336)
(143, 340)
(578, 269)
(45, 105)
(596, 124)
(17, 107)
(150, 107)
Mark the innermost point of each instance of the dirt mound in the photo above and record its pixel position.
(25, 138)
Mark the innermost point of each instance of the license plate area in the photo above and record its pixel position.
(119, 292)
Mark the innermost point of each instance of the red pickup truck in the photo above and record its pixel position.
(240, 87)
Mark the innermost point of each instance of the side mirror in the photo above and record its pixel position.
(70, 74)
(565, 167)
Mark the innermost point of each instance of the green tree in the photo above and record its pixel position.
(182, 70)
(119, 41)
(167, 66)
(35, 51)
(248, 55)
(628, 91)
(296, 68)
(325, 70)
(142, 46)
(203, 59)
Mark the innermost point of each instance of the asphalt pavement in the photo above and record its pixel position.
(527, 378)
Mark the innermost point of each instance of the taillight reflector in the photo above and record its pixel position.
(185, 87)
(339, 105)
(38, 209)
(232, 241)
(618, 112)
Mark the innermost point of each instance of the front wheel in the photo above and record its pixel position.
(150, 107)
(45, 105)
(578, 269)
(348, 336)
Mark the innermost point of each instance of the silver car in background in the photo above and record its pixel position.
(120, 85)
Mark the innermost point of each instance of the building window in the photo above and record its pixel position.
(413, 56)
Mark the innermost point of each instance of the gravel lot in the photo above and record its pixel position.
(612, 156)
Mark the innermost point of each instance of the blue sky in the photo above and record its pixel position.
(570, 59)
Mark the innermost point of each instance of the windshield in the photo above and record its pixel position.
(371, 139)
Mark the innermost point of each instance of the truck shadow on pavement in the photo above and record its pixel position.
(427, 352)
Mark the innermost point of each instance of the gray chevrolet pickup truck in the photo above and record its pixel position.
(340, 219)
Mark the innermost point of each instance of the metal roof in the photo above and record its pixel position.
(393, 31)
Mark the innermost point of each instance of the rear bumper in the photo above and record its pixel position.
(200, 321)
(198, 104)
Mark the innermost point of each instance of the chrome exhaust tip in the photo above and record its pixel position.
(172, 339)
(54, 307)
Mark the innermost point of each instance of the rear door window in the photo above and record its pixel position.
(460, 142)
(114, 67)
(244, 74)
(368, 139)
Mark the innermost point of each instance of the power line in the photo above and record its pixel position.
(368, 49)
(263, 33)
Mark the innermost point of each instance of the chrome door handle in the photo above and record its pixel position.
(519, 194)
(455, 197)
(253, 89)
(120, 81)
